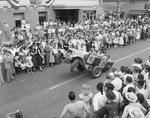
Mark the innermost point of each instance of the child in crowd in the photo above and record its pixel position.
(17, 63)
(23, 66)
(86, 96)
(29, 63)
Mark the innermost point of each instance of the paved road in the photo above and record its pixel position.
(44, 94)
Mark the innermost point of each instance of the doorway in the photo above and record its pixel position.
(67, 15)
(17, 18)
(18, 23)
(42, 17)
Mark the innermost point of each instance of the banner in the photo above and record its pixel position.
(14, 3)
(49, 2)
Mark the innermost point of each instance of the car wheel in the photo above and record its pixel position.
(80, 67)
(74, 66)
(96, 72)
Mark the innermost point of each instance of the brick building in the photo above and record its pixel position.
(36, 11)
(130, 8)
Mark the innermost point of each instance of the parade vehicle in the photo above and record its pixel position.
(93, 63)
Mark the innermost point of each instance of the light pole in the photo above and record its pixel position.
(118, 8)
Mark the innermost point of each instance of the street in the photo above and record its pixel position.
(44, 94)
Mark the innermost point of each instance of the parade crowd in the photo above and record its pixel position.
(30, 50)
(125, 92)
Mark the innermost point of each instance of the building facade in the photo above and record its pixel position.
(36, 11)
(32, 10)
(129, 8)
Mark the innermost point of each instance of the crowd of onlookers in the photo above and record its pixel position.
(124, 94)
(32, 50)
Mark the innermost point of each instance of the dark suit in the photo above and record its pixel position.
(111, 109)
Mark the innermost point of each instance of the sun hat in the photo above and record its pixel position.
(110, 95)
(132, 97)
(137, 66)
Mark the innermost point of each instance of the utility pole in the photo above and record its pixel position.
(99, 8)
(118, 9)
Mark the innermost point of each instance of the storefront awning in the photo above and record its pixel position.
(115, 12)
(74, 4)
(137, 12)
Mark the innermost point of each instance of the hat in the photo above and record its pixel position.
(137, 67)
(110, 95)
(132, 97)
(111, 74)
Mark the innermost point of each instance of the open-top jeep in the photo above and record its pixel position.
(94, 63)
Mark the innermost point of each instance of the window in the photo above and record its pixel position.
(17, 19)
(90, 14)
(42, 17)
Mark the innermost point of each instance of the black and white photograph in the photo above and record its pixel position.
(75, 58)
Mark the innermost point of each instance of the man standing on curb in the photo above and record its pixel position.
(75, 108)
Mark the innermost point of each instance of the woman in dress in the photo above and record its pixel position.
(121, 41)
(29, 63)
(138, 34)
(39, 57)
(34, 56)
(7, 63)
(52, 58)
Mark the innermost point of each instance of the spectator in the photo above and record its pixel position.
(117, 82)
(99, 101)
(143, 101)
(133, 109)
(141, 88)
(128, 84)
(39, 57)
(7, 62)
(86, 96)
(111, 109)
(75, 108)
(17, 114)
(29, 63)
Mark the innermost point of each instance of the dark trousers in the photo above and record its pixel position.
(99, 114)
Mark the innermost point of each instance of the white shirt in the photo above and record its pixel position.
(118, 96)
(117, 82)
(125, 76)
(1, 58)
(28, 26)
(99, 101)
